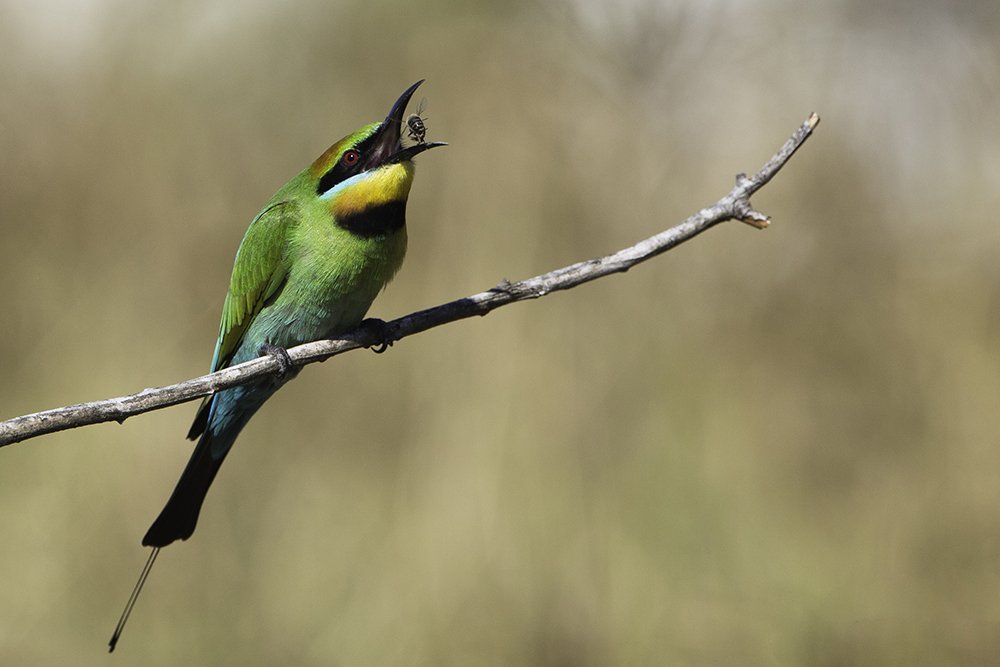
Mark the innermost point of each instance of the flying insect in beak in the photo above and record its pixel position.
(416, 122)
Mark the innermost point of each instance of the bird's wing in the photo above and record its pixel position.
(259, 273)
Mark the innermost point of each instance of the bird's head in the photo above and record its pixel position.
(364, 179)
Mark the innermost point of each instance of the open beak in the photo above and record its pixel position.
(388, 148)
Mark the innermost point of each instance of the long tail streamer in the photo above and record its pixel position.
(131, 600)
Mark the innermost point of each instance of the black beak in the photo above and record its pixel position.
(395, 116)
(388, 148)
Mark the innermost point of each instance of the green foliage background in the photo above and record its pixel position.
(761, 448)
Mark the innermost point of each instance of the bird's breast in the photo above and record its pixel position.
(331, 286)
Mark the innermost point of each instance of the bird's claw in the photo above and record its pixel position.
(280, 355)
(375, 328)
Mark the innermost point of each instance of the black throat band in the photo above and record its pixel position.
(376, 221)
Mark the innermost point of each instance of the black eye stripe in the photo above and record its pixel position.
(341, 172)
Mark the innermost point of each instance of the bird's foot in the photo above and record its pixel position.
(280, 355)
(378, 330)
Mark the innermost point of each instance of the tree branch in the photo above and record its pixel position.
(734, 206)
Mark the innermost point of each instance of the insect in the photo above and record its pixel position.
(415, 121)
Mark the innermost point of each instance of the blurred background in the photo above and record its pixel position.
(771, 447)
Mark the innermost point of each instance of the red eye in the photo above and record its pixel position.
(350, 158)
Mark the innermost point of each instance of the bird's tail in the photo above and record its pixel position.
(180, 514)
(178, 518)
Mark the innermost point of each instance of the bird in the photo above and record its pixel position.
(308, 268)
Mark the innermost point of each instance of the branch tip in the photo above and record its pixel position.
(756, 220)
(744, 212)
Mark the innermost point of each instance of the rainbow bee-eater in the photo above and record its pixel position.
(309, 267)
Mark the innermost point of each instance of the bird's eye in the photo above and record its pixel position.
(350, 158)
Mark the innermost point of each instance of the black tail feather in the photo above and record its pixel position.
(180, 515)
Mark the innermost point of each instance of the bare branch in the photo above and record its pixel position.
(734, 206)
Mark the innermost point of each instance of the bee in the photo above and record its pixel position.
(415, 123)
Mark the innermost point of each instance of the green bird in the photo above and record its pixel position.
(308, 268)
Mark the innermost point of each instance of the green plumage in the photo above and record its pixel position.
(309, 267)
(300, 274)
